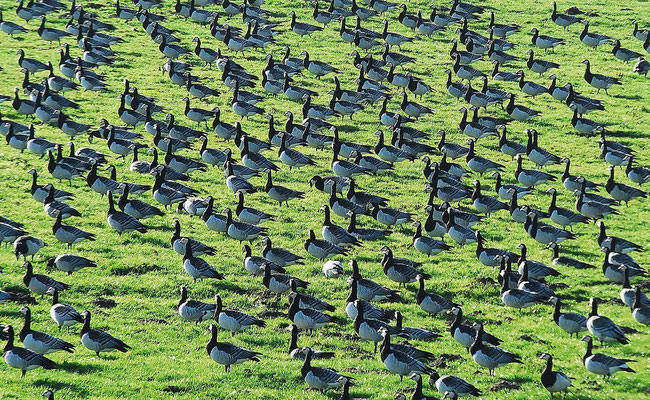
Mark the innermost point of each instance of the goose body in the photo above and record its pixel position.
(21, 358)
(602, 364)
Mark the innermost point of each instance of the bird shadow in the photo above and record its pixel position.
(54, 385)
(79, 368)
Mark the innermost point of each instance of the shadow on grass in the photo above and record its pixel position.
(78, 368)
(54, 385)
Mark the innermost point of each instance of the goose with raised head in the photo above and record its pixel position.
(620, 191)
(602, 364)
(255, 265)
(69, 234)
(40, 342)
(637, 174)
(278, 255)
(371, 329)
(301, 352)
(21, 358)
(599, 81)
(564, 20)
(490, 357)
(100, 341)
(570, 322)
(615, 243)
(334, 233)
(464, 333)
(563, 216)
(370, 311)
(279, 283)
(592, 39)
(369, 290)
(194, 310)
(322, 379)
(544, 41)
(603, 328)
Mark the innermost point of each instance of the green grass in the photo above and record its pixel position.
(143, 275)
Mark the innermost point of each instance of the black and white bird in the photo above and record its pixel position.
(233, 320)
(301, 352)
(602, 364)
(570, 322)
(27, 245)
(63, 314)
(21, 358)
(100, 341)
(228, 354)
(398, 362)
(554, 381)
(455, 384)
(319, 378)
(69, 234)
(40, 342)
(39, 283)
(490, 357)
(322, 249)
(593, 39)
(121, 221)
(599, 81)
(194, 310)
(564, 20)
(464, 333)
(603, 328)
(641, 309)
(430, 302)
(369, 290)
(197, 267)
(278, 255)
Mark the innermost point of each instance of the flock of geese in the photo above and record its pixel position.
(522, 281)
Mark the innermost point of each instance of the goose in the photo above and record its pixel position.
(402, 271)
(490, 357)
(52, 206)
(291, 157)
(538, 65)
(520, 298)
(464, 333)
(93, 53)
(234, 321)
(25, 107)
(603, 328)
(544, 41)
(345, 168)
(456, 89)
(418, 87)
(328, 182)
(640, 311)
(530, 88)
(491, 256)
(641, 67)
(638, 174)
(9, 233)
(459, 233)
(364, 233)
(442, 20)
(69, 234)
(278, 255)
(430, 302)
(563, 216)
(474, 45)
(392, 38)
(250, 215)
(528, 284)
(198, 115)
(240, 230)
(568, 261)
(502, 30)
(624, 54)
(612, 155)
(310, 110)
(563, 20)
(536, 269)
(433, 225)
(474, 130)
(450, 384)
(498, 55)
(466, 57)
(177, 131)
(306, 318)
(628, 292)
(238, 183)
(197, 267)
(507, 191)
(620, 191)
(616, 272)
(599, 81)
(169, 50)
(371, 329)
(136, 208)
(70, 263)
(484, 203)
(254, 160)
(22, 358)
(10, 28)
(318, 68)
(281, 193)
(510, 147)
(427, 245)
(332, 269)
(322, 249)
(585, 126)
(464, 72)
(545, 233)
(214, 222)
(451, 149)
(56, 101)
(558, 92)
(480, 164)
(390, 216)
(504, 76)
(130, 117)
(390, 118)
(554, 381)
(30, 64)
(593, 39)
(593, 209)
(194, 310)
(100, 341)
(570, 322)
(38, 283)
(368, 290)
(602, 364)
(398, 362)
(26, 245)
(479, 99)
(519, 112)
(302, 28)
(615, 243)
(101, 184)
(322, 379)
(40, 342)
(121, 221)
(300, 353)
(369, 311)
(334, 233)
(255, 265)
(70, 127)
(182, 164)
(236, 43)
(6, 125)
(50, 34)
(43, 112)
(623, 260)
(279, 283)
(345, 149)
(164, 193)
(307, 301)
(372, 163)
(531, 177)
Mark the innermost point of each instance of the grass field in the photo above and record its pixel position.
(142, 274)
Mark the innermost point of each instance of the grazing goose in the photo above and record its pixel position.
(322, 249)
(100, 341)
(278, 255)
(364, 199)
(368, 290)
(291, 157)
(197, 267)
(568, 261)
(334, 233)
(427, 245)
(21, 358)
(641, 310)
(9, 233)
(281, 193)
(279, 283)
(390, 216)
(532, 285)
(490, 357)
(570, 322)
(194, 310)
(300, 353)
(302, 28)
(554, 381)
(544, 41)
(642, 66)
(480, 164)
(166, 193)
(255, 265)
(325, 183)
(69, 234)
(121, 221)
(563, 216)
(400, 270)
(18, 141)
(63, 314)
(332, 269)
(255, 160)
(240, 230)
(531, 177)
(234, 321)
(317, 68)
(510, 147)
(50, 34)
(456, 89)
(593, 39)
(40, 342)
(620, 191)
(52, 206)
(615, 243)
(603, 328)
(10, 28)
(638, 175)
(564, 20)
(198, 115)
(38, 283)
(599, 81)
(70, 263)
(238, 183)
(322, 379)
(602, 364)
(452, 384)
(27, 246)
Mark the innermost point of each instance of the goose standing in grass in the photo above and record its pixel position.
(62, 171)
(603, 328)
(334, 233)
(599, 81)
(519, 298)
(100, 341)
(40, 342)
(10, 28)
(554, 381)
(30, 64)
(464, 333)
(642, 66)
(480, 164)
(460, 233)
(563, 216)
(69, 234)
(62, 314)
(620, 191)
(278, 255)
(138, 209)
(369, 290)
(281, 193)
(564, 20)
(371, 329)
(484, 203)
(641, 310)
(431, 303)
(507, 191)
(451, 383)
(370, 311)
(538, 155)
(628, 292)
(490, 357)
(531, 177)
(615, 243)
(21, 358)
(301, 352)
(593, 209)
(519, 112)
(234, 321)
(427, 245)
(319, 378)
(279, 283)
(70, 263)
(491, 256)
(322, 249)
(398, 362)
(390, 216)
(570, 322)
(197, 267)
(544, 41)
(638, 174)
(39, 283)
(255, 265)
(568, 261)
(27, 246)
(194, 310)
(306, 318)
(8, 233)
(120, 221)
(602, 364)
(593, 39)
(624, 54)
